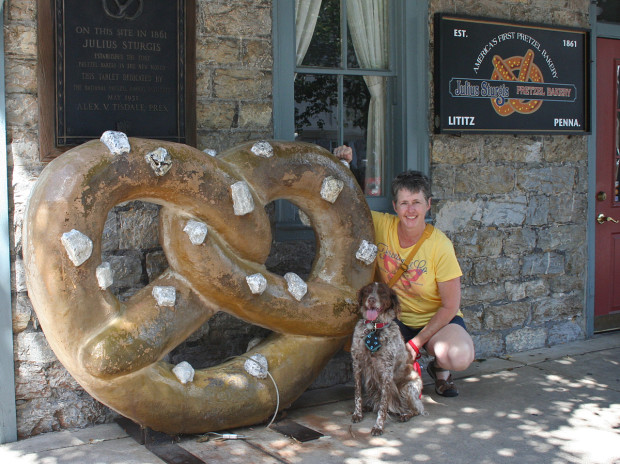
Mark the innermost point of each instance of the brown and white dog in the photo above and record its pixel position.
(391, 385)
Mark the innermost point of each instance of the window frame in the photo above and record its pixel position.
(410, 136)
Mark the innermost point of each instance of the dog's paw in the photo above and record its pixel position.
(355, 418)
(405, 417)
(376, 431)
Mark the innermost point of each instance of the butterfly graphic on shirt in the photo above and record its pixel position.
(409, 278)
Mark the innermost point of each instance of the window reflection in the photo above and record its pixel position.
(608, 11)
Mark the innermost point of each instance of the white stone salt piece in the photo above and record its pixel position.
(243, 203)
(296, 285)
(257, 366)
(367, 252)
(105, 276)
(331, 188)
(210, 152)
(257, 283)
(196, 230)
(184, 372)
(165, 296)
(159, 160)
(303, 217)
(78, 246)
(262, 148)
(117, 142)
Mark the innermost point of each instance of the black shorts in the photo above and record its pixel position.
(408, 332)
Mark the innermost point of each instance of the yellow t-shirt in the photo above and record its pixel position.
(417, 288)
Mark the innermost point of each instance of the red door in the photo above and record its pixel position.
(607, 237)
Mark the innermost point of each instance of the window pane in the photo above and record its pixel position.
(316, 103)
(368, 26)
(355, 126)
(608, 10)
(324, 49)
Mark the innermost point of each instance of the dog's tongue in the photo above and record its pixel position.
(371, 314)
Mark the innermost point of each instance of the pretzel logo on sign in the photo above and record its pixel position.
(216, 236)
(504, 69)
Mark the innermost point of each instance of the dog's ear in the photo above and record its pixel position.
(395, 302)
(360, 296)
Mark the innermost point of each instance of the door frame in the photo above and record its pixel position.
(607, 31)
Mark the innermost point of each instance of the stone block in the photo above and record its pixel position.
(22, 110)
(524, 339)
(542, 263)
(234, 19)
(60, 379)
(110, 239)
(138, 228)
(21, 76)
(479, 243)
(447, 149)
(218, 50)
(562, 237)
(337, 371)
(488, 344)
(565, 332)
(566, 209)
(486, 293)
(22, 312)
(557, 307)
(156, 263)
(457, 215)
(19, 272)
(30, 381)
(255, 115)
(33, 347)
(507, 316)
(562, 149)
(257, 54)
(485, 179)
(531, 289)
(502, 149)
(473, 316)
(548, 180)
(20, 39)
(204, 85)
(242, 84)
(22, 147)
(443, 182)
(505, 213)
(21, 10)
(537, 212)
(127, 269)
(216, 115)
(518, 240)
(495, 269)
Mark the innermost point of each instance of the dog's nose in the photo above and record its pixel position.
(371, 300)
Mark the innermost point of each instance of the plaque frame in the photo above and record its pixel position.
(475, 94)
(47, 88)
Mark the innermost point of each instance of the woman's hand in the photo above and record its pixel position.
(344, 152)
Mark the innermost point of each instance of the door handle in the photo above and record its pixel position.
(601, 218)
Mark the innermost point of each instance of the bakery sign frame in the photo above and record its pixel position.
(494, 76)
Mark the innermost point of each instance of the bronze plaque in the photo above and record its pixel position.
(120, 65)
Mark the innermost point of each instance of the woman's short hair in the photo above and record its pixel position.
(414, 181)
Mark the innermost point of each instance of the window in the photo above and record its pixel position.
(354, 72)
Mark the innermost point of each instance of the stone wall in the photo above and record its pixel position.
(515, 208)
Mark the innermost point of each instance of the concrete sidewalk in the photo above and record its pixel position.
(551, 405)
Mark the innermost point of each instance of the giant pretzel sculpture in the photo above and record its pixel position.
(115, 349)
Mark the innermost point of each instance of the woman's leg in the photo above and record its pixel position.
(453, 349)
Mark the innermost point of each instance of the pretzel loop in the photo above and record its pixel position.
(115, 349)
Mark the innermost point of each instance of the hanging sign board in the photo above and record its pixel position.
(496, 76)
(120, 66)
